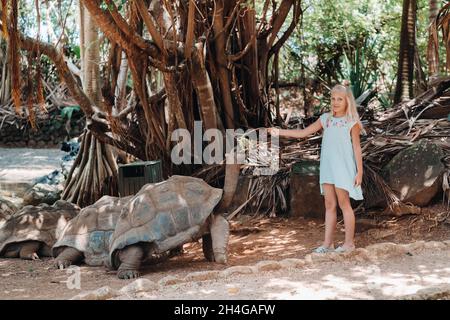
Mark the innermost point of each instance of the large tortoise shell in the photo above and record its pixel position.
(165, 214)
(40, 223)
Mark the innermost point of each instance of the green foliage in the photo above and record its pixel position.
(358, 68)
(384, 100)
(67, 112)
(331, 42)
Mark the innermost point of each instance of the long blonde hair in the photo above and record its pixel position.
(351, 112)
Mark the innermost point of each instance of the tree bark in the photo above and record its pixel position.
(221, 60)
(405, 72)
(433, 64)
(203, 88)
(225, 81)
(97, 168)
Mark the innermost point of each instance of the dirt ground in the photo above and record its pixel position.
(252, 239)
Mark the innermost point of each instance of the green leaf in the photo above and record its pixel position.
(67, 112)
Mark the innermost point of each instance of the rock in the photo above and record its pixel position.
(359, 254)
(9, 205)
(102, 293)
(236, 270)
(438, 245)
(292, 263)
(14, 189)
(43, 193)
(415, 173)
(268, 266)
(233, 291)
(169, 280)
(305, 198)
(415, 246)
(72, 147)
(325, 257)
(138, 286)
(201, 276)
(53, 178)
(385, 250)
(441, 292)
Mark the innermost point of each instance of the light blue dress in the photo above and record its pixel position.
(337, 159)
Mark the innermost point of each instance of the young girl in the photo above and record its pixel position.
(341, 168)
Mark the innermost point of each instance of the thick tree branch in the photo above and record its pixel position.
(247, 48)
(88, 108)
(109, 27)
(150, 26)
(279, 19)
(296, 16)
(190, 30)
(65, 74)
(125, 27)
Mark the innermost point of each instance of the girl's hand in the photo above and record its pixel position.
(273, 131)
(358, 179)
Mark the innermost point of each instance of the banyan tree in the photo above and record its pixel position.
(188, 60)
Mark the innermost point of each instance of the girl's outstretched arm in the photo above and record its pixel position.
(309, 130)
(356, 141)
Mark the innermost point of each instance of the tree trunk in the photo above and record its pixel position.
(5, 78)
(226, 84)
(433, 65)
(94, 172)
(221, 64)
(203, 88)
(405, 72)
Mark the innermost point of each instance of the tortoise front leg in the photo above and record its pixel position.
(68, 257)
(130, 262)
(29, 250)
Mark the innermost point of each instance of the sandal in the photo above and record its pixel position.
(341, 249)
(323, 249)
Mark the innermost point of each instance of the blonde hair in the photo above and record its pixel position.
(351, 112)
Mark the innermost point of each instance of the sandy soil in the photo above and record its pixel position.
(421, 275)
(252, 240)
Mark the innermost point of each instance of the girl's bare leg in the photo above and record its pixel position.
(349, 218)
(330, 214)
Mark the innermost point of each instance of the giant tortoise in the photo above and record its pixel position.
(33, 230)
(86, 237)
(165, 215)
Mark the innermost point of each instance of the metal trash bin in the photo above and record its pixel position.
(133, 176)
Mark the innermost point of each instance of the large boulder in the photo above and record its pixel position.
(47, 189)
(43, 193)
(415, 172)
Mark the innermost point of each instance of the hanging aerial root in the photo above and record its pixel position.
(14, 56)
(4, 18)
